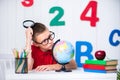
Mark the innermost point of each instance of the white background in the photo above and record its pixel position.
(13, 13)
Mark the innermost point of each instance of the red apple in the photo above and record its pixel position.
(100, 54)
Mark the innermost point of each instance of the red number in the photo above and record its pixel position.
(27, 3)
(93, 18)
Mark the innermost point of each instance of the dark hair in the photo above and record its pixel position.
(37, 28)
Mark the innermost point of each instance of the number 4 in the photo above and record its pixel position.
(93, 18)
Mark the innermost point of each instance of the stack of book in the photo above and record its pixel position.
(100, 66)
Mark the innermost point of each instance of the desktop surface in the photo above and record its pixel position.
(77, 74)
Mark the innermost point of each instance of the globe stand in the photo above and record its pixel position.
(63, 64)
(64, 69)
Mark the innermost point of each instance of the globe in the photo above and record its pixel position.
(63, 52)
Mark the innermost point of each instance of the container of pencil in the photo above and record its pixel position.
(21, 65)
(118, 74)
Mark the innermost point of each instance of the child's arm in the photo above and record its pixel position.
(29, 33)
(30, 61)
(71, 65)
(48, 67)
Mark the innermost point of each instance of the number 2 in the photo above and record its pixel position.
(93, 18)
(56, 20)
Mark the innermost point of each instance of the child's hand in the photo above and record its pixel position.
(44, 68)
(29, 33)
(48, 67)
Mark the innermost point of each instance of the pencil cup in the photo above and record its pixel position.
(21, 65)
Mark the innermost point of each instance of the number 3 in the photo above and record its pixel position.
(27, 3)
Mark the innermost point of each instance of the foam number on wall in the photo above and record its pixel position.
(27, 3)
(56, 20)
(93, 18)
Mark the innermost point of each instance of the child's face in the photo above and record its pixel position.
(45, 40)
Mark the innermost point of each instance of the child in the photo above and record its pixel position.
(39, 42)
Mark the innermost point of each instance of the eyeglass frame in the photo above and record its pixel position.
(51, 33)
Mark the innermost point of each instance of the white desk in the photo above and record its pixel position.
(78, 74)
(7, 72)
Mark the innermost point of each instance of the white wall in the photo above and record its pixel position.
(13, 13)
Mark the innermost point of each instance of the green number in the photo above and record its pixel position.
(56, 20)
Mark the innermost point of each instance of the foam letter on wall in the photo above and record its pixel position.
(111, 38)
(86, 53)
